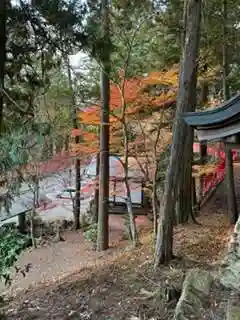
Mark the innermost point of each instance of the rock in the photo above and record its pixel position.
(230, 273)
(195, 294)
(72, 313)
(233, 313)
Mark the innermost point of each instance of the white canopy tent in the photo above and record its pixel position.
(117, 189)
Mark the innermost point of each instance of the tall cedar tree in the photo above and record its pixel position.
(232, 201)
(185, 102)
(77, 200)
(102, 235)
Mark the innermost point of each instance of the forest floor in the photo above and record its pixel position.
(119, 283)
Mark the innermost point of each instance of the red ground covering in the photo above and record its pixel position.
(64, 160)
(212, 179)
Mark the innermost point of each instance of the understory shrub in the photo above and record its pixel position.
(90, 234)
(12, 243)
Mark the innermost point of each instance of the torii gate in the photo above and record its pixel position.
(221, 124)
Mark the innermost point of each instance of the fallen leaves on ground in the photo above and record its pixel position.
(124, 285)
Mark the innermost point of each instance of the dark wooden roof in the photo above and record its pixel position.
(227, 113)
(216, 124)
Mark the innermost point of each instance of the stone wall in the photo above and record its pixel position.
(195, 297)
(195, 294)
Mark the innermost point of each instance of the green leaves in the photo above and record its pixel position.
(12, 243)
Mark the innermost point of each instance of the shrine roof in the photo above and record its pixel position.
(226, 113)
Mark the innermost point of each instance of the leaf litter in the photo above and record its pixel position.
(122, 285)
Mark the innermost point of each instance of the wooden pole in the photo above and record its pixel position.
(203, 160)
(22, 222)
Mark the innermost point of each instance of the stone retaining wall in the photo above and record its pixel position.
(196, 288)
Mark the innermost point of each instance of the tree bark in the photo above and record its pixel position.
(33, 216)
(226, 93)
(184, 208)
(204, 93)
(3, 39)
(230, 187)
(102, 235)
(77, 199)
(133, 228)
(96, 195)
(187, 83)
(77, 206)
(22, 223)
(232, 200)
(154, 205)
(203, 160)
(195, 205)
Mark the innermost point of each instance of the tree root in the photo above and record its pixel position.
(194, 219)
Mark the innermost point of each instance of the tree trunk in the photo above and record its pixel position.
(195, 205)
(32, 217)
(226, 94)
(77, 206)
(204, 93)
(155, 202)
(22, 223)
(36, 191)
(66, 143)
(102, 236)
(3, 38)
(32, 228)
(184, 208)
(133, 228)
(77, 200)
(232, 200)
(202, 147)
(96, 195)
(203, 160)
(230, 187)
(187, 84)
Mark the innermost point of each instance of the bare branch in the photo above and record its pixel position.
(13, 101)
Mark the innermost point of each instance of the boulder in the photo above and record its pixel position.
(230, 273)
(233, 313)
(195, 294)
(230, 276)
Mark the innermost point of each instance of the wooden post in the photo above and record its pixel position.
(230, 187)
(22, 222)
(195, 205)
(203, 160)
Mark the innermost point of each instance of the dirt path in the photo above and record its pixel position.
(60, 259)
(92, 285)
(110, 286)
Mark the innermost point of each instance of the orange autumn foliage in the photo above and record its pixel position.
(88, 143)
(135, 97)
(168, 78)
